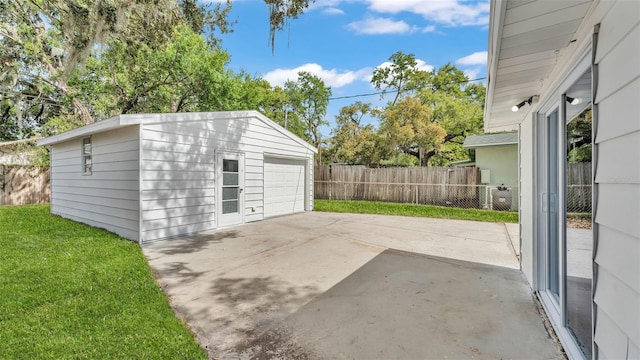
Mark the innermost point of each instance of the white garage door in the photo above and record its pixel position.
(283, 186)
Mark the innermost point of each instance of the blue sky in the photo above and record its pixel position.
(343, 41)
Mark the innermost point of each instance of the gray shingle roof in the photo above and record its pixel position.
(510, 138)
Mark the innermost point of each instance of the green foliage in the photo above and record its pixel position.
(309, 98)
(353, 142)
(401, 159)
(450, 152)
(579, 137)
(92, 59)
(407, 127)
(431, 114)
(80, 292)
(385, 208)
(280, 12)
(580, 154)
(400, 76)
(186, 74)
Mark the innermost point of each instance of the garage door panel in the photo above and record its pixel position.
(284, 186)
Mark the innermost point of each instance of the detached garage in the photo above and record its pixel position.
(153, 176)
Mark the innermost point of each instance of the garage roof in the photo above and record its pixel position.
(526, 41)
(137, 119)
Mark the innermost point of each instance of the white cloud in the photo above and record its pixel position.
(332, 77)
(472, 73)
(332, 11)
(477, 58)
(428, 29)
(447, 12)
(373, 25)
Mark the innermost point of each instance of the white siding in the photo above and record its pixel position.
(617, 286)
(109, 197)
(178, 171)
(526, 198)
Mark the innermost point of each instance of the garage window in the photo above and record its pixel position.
(86, 156)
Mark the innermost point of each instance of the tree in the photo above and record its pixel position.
(43, 45)
(280, 12)
(310, 99)
(186, 74)
(407, 127)
(352, 141)
(579, 147)
(457, 106)
(401, 76)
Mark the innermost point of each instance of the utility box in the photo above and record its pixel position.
(485, 176)
(502, 198)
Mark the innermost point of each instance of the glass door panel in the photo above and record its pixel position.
(230, 186)
(579, 234)
(553, 243)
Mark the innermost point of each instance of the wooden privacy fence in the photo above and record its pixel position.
(24, 185)
(421, 185)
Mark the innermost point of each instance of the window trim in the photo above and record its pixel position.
(87, 159)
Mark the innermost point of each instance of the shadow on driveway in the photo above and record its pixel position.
(402, 305)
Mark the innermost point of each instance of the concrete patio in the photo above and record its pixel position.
(348, 286)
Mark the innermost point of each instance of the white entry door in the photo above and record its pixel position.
(284, 186)
(230, 188)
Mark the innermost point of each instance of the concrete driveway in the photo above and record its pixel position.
(349, 286)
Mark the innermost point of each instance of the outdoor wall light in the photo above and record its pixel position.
(574, 101)
(515, 108)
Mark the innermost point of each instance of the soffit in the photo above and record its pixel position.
(526, 39)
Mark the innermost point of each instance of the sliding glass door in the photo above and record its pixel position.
(563, 219)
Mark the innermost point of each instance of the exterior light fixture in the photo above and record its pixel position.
(574, 101)
(515, 108)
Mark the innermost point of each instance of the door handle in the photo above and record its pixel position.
(241, 190)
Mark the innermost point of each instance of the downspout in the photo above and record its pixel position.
(594, 186)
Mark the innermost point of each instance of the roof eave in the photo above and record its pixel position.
(86, 130)
(137, 119)
(496, 22)
(486, 145)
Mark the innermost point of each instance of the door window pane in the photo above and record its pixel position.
(230, 206)
(230, 193)
(229, 165)
(230, 179)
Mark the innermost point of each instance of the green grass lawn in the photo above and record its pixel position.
(384, 208)
(68, 290)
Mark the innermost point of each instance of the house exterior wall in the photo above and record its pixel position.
(107, 198)
(178, 165)
(616, 283)
(617, 205)
(502, 161)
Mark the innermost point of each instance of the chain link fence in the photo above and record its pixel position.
(450, 195)
(579, 198)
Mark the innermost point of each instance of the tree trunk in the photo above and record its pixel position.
(82, 112)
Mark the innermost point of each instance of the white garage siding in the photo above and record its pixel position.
(284, 186)
(178, 169)
(109, 197)
(617, 285)
(177, 182)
